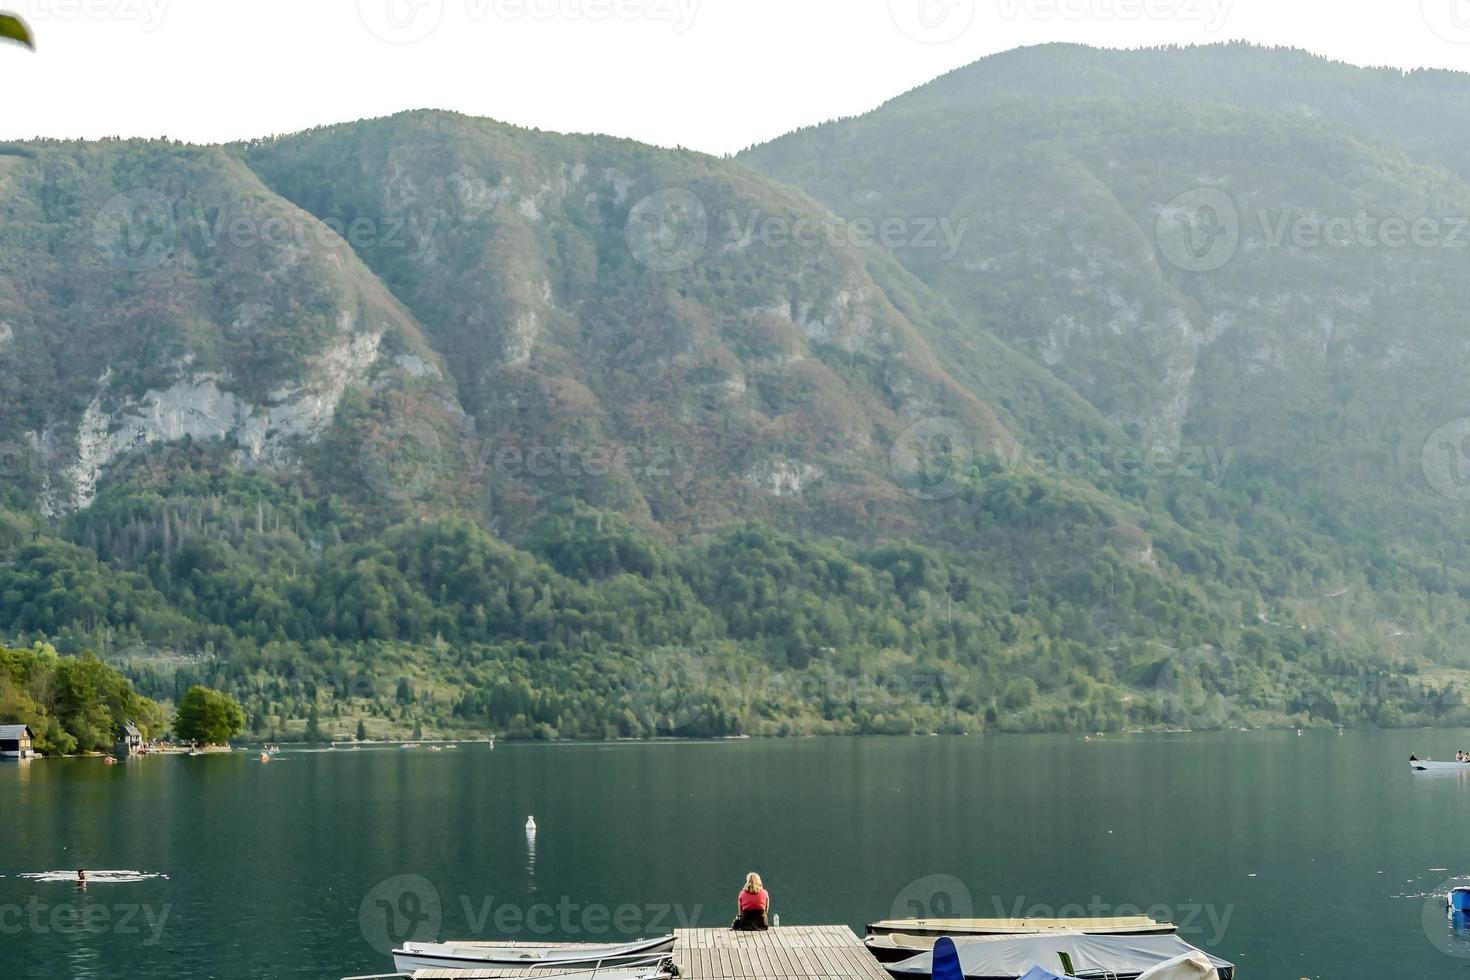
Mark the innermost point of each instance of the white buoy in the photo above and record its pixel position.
(530, 825)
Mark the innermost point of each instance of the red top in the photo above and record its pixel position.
(754, 900)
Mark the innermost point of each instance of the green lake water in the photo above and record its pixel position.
(1293, 856)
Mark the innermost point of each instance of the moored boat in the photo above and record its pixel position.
(1427, 765)
(1120, 925)
(891, 947)
(1070, 954)
(645, 958)
(410, 964)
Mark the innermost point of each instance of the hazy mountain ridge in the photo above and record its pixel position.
(1325, 290)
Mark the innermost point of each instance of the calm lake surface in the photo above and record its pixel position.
(1294, 857)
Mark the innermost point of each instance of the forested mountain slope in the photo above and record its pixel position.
(434, 421)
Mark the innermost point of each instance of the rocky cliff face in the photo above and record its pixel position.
(158, 294)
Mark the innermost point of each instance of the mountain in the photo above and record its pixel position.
(431, 420)
(1247, 249)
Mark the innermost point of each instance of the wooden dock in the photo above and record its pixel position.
(783, 953)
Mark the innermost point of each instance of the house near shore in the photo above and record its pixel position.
(16, 742)
(129, 740)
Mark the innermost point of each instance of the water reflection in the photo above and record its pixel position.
(531, 854)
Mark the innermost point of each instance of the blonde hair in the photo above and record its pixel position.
(753, 883)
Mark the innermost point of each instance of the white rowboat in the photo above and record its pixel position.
(445, 957)
(630, 961)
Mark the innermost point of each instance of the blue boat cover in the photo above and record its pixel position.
(946, 961)
(1009, 957)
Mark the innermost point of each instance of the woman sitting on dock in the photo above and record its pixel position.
(754, 903)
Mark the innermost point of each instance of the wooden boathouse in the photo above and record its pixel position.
(16, 742)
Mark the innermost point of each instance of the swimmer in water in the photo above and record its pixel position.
(82, 878)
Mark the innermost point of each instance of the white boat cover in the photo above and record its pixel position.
(1042, 973)
(1191, 966)
(1010, 957)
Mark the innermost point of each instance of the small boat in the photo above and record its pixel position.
(455, 963)
(1459, 899)
(530, 825)
(1426, 765)
(891, 947)
(642, 960)
(930, 929)
(1070, 954)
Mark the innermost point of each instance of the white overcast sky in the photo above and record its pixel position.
(715, 75)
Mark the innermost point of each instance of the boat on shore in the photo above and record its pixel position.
(1067, 954)
(640, 960)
